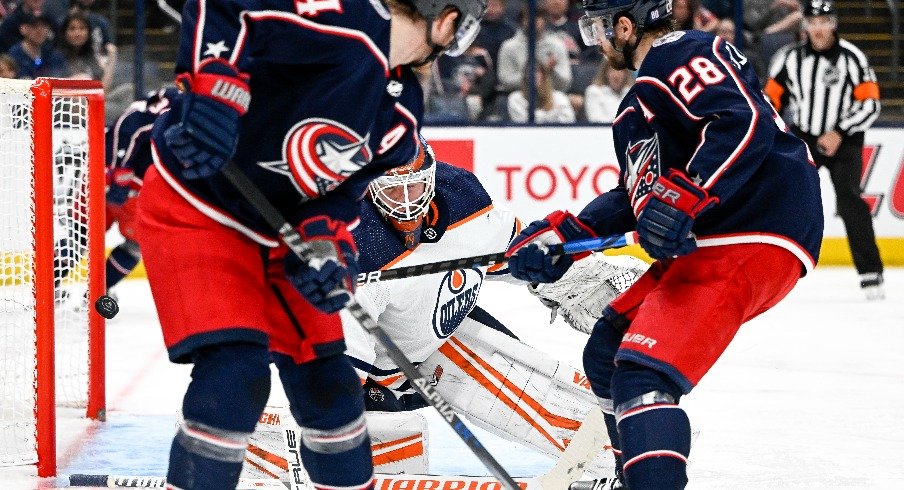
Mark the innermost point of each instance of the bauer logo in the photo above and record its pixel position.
(456, 297)
(319, 154)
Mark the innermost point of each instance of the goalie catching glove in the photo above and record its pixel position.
(214, 99)
(329, 278)
(588, 287)
(528, 254)
(665, 222)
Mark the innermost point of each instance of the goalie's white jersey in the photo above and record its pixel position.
(420, 313)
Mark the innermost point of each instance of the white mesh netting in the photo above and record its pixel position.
(17, 248)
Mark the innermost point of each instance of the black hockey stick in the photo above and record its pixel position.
(421, 384)
(117, 481)
(577, 246)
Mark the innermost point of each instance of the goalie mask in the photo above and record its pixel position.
(403, 194)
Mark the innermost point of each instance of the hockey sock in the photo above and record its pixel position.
(327, 402)
(612, 429)
(121, 262)
(654, 432)
(229, 388)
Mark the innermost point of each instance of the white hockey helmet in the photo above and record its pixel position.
(404, 193)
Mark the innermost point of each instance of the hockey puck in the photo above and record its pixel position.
(106, 306)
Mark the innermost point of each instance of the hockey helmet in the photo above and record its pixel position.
(814, 8)
(470, 12)
(600, 16)
(404, 193)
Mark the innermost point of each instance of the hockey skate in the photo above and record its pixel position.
(871, 284)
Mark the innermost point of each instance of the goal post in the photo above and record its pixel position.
(52, 229)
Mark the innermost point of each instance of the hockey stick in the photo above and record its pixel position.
(586, 444)
(421, 384)
(116, 481)
(577, 246)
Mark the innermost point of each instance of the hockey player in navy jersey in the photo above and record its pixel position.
(301, 96)
(721, 195)
(128, 155)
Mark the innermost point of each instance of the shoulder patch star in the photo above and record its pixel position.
(216, 49)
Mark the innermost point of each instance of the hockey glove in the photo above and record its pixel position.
(665, 222)
(120, 185)
(215, 97)
(528, 257)
(329, 278)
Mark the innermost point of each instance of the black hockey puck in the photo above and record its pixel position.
(106, 306)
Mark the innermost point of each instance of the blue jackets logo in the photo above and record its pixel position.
(319, 154)
(456, 297)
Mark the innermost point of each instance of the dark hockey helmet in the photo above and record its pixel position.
(813, 8)
(600, 16)
(468, 24)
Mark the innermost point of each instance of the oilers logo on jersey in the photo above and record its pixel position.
(456, 297)
(319, 154)
(643, 167)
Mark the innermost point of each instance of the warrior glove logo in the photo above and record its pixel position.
(319, 154)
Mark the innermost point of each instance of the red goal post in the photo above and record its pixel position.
(51, 263)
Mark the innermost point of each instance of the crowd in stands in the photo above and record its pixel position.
(573, 84)
(56, 38)
(489, 83)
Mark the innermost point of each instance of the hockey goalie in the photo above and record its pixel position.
(428, 211)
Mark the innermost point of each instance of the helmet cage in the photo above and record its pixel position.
(407, 207)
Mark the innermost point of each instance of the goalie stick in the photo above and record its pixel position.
(586, 444)
(419, 382)
(577, 246)
(115, 481)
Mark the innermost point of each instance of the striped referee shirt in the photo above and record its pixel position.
(834, 89)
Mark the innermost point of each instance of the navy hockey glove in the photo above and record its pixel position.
(215, 97)
(120, 185)
(330, 277)
(665, 222)
(528, 258)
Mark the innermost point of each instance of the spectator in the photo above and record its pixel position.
(720, 8)
(34, 55)
(834, 90)
(495, 29)
(81, 59)
(604, 95)
(559, 20)
(10, 33)
(101, 35)
(772, 24)
(8, 67)
(553, 105)
(471, 75)
(551, 54)
(689, 14)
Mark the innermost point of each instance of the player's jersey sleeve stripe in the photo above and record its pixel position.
(274, 15)
(199, 35)
(473, 216)
(751, 128)
(133, 141)
(622, 114)
(661, 86)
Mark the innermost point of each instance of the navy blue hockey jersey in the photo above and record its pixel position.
(697, 107)
(327, 114)
(128, 141)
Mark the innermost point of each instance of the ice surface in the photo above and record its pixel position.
(809, 395)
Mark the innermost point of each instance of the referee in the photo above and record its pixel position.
(829, 88)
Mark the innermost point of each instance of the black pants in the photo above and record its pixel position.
(845, 169)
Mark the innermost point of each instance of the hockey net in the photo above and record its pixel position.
(51, 262)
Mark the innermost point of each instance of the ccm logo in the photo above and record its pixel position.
(666, 194)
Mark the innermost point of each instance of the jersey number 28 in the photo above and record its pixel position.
(689, 85)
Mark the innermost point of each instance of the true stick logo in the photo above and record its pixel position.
(435, 398)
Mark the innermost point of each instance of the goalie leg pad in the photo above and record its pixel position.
(654, 431)
(510, 388)
(326, 400)
(229, 388)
